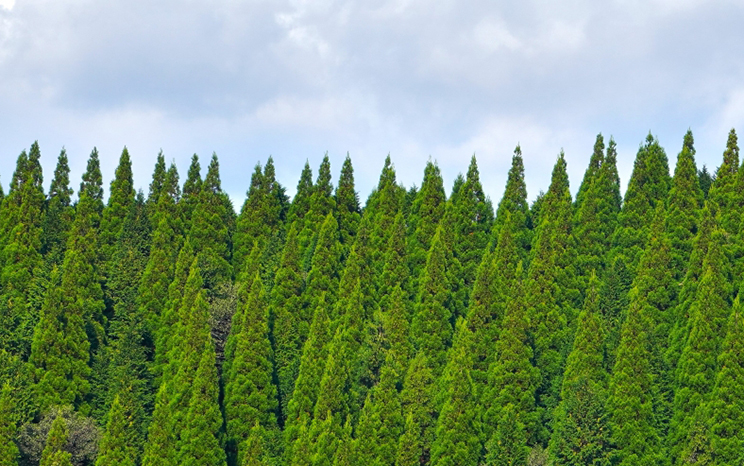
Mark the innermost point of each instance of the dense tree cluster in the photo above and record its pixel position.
(419, 329)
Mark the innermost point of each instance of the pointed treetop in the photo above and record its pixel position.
(591, 173)
(192, 186)
(60, 186)
(158, 179)
(92, 184)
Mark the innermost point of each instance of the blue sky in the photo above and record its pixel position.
(416, 79)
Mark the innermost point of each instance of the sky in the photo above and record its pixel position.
(416, 79)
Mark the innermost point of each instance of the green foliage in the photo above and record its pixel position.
(592, 171)
(515, 203)
(301, 200)
(725, 191)
(348, 211)
(57, 217)
(8, 449)
(116, 447)
(156, 185)
(191, 189)
(54, 453)
(120, 202)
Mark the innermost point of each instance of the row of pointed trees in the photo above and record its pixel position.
(419, 330)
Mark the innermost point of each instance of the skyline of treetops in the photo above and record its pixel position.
(406, 328)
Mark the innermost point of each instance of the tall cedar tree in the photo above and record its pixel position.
(426, 213)
(301, 200)
(191, 189)
(8, 449)
(631, 394)
(157, 185)
(288, 325)
(115, 448)
(322, 279)
(513, 379)
(431, 328)
(120, 202)
(727, 403)
(250, 395)
(724, 192)
(20, 257)
(58, 214)
(457, 436)
(322, 204)
(581, 433)
(514, 201)
(697, 366)
(592, 171)
(54, 453)
(210, 230)
(648, 186)
(683, 208)
(706, 180)
(348, 211)
(597, 218)
(166, 241)
(261, 220)
(417, 399)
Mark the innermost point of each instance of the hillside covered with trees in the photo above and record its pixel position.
(166, 329)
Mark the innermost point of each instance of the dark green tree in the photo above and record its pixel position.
(592, 171)
(348, 211)
(426, 213)
(156, 185)
(191, 189)
(724, 192)
(120, 202)
(54, 453)
(59, 213)
(705, 180)
(323, 277)
(301, 200)
(515, 203)
(417, 400)
(8, 449)
(322, 203)
(115, 448)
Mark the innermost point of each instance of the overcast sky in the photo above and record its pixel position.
(416, 79)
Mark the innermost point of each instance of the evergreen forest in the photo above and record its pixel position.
(414, 328)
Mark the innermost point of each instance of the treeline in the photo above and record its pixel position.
(165, 329)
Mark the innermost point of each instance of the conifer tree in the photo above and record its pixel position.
(724, 192)
(115, 448)
(592, 171)
(348, 211)
(431, 330)
(322, 279)
(514, 201)
(512, 378)
(210, 234)
(613, 302)
(20, 237)
(200, 442)
(417, 399)
(156, 185)
(54, 453)
(322, 203)
(648, 186)
(457, 440)
(581, 435)
(697, 365)
(597, 217)
(58, 214)
(250, 395)
(410, 450)
(301, 200)
(191, 189)
(683, 207)
(705, 180)
(286, 308)
(8, 449)
(120, 202)
(382, 207)
(426, 213)
(630, 399)
(727, 403)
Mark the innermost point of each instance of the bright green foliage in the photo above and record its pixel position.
(314, 354)
(156, 185)
(120, 202)
(431, 330)
(322, 280)
(210, 233)
(727, 402)
(426, 213)
(348, 211)
(58, 214)
(705, 179)
(250, 395)
(512, 377)
(683, 207)
(286, 305)
(191, 189)
(631, 393)
(410, 450)
(252, 450)
(648, 186)
(725, 192)
(382, 207)
(261, 220)
(581, 433)
(417, 400)
(457, 436)
(115, 448)
(508, 445)
(597, 217)
(515, 202)
(54, 453)
(166, 241)
(160, 449)
(200, 442)
(472, 222)
(8, 449)
(301, 200)
(322, 204)
(613, 302)
(92, 185)
(592, 171)
(697, 367)
(20, 239)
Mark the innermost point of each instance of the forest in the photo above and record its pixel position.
(167, 329)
